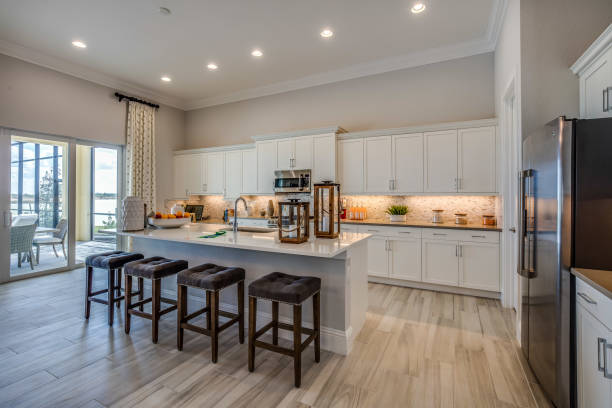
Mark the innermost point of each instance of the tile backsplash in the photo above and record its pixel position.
(419, 207)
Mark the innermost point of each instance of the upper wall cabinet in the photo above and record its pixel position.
(187, 170)
(266, 165)
(294, 153)
(249, 171)
(215, 172)
(594, 69)
(324, 158)
(440, 173)
(476, 160)
(378, 165)
(350, 165)
(233, 174)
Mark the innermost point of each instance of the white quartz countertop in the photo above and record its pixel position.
(265, 242)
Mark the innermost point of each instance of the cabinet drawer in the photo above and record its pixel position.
(478, 236)
(405, 232)
(595, 302)
(442, 234)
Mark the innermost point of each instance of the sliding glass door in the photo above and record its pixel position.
(59, 204)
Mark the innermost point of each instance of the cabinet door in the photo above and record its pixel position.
(302, 153)
(440, 155)
(378, 257)
(193, 173)
(440, 262)
(204, 172)
(284, 154)
(323, 158)
(249, 172)
(215, 169)
(233, 174)
(594, 390)
(266, 165)
(408, 163)
(477, 170)
(479, 266)
(350, 165)
(179, 175)
(379, 175)
(594, 83)
(405, 259)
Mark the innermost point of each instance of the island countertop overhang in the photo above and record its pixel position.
(263, 242)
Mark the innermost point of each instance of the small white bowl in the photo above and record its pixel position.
(169, 222)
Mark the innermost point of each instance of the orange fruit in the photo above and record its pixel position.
(171, 216)
(179, 214)
(164, 216)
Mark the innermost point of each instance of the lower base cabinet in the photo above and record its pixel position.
(444, 257)
(592, 336)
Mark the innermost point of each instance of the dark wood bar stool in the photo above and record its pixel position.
(112, 262)
(154, 268)
(294, 290)
(211, 278)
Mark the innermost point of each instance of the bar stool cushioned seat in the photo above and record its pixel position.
(155, 267)
(280, 287)
(112, 259)
(112, 262)
(210, 277)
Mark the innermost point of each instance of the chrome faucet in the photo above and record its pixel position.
(236, 211)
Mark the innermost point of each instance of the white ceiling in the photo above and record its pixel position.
(131, 44)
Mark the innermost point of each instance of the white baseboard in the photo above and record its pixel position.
(434, 287)
(334, 340)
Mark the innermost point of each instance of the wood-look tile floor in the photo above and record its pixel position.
(417, 349)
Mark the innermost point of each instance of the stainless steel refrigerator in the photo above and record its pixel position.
(566, 221)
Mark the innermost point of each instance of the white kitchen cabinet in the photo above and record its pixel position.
(440, 156)
(476, 160)
(294, 153)
(350, 165)
(249, 171)
(324, 158)
(378, 256)
(378, 165)
(440, 262)
(405, 258)
(285, 154)
(408, 163)
(594, 389)
(187, 175)
(266, 165)
(215, 173)
(233, 174)
(479, 266)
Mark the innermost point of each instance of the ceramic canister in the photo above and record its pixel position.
(132, 214)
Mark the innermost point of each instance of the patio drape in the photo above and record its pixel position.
(140, 153)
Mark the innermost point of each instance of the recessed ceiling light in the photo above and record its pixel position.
(165, 11)
(166, 78)
(79, 44)
(212, 67)
(327, 33)
(418, 8)
(256, 53)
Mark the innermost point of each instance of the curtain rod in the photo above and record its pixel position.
(131, 98)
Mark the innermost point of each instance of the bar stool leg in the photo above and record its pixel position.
(88, 286)
(118, 283)
(214, 331)
(241, 312)
(275, 323)
(181, 302)
(128, 302)
(252, 327)
(155, 307)
(316, 313)
(297, 344)
(208, 305)
(141, 293)
(111, 296)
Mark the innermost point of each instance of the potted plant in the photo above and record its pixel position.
(397, 213)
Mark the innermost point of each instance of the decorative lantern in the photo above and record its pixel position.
(327, 210)
(293, 221)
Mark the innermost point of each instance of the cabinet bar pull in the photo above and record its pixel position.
(370, 230)
(405, 232)
(605, 101)
(443, 235)
(478, 236)
(607, 373)
(600, 342)
(457, 250)
(586, 298)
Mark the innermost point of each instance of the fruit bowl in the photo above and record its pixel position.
(169, 222)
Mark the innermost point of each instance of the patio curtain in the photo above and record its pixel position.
(140, 153)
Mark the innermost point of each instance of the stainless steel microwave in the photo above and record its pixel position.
(292, 181)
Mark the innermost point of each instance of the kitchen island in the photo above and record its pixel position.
(341, 264)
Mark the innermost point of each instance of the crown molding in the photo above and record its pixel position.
(297, 133)
(87, 74)
(602, 43)
(430, 56)
(215, 149)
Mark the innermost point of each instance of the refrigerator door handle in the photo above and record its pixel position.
(524, 250)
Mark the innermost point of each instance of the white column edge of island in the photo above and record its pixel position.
(341, 263)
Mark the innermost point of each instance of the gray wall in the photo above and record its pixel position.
(554, 34)
(461, 89)
(39, 99)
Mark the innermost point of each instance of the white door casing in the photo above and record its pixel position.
(5, 204)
